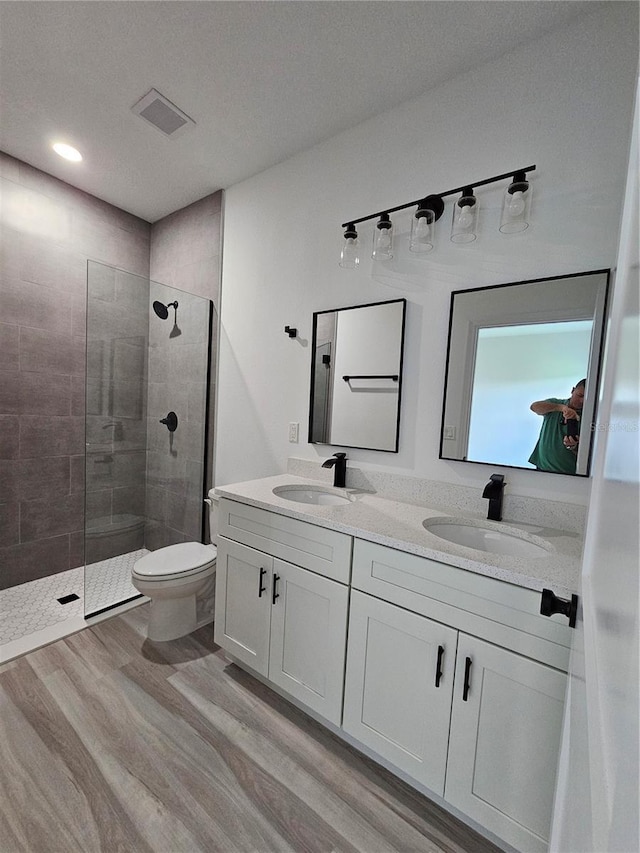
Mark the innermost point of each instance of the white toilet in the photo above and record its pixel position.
(179, 580)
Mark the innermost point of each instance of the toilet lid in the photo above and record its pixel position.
(174, 559)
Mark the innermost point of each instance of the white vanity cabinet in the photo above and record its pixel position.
(433, 685)
(286, 619)
(398, 687)
(504, 741)
(449, 676)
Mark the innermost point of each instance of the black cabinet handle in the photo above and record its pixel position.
(276, 594)
(439, 665)
(261, 588)
(550, 604)
(467, 681)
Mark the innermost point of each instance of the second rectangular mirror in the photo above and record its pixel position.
(517, 354)
(356, 376)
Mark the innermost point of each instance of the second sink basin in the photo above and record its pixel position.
(510, 541)
(317, 495)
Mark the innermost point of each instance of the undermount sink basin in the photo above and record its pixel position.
(472, 534)
(317, 495)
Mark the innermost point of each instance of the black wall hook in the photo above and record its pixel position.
(291, 331)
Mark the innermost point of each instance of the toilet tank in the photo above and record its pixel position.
(212, 503)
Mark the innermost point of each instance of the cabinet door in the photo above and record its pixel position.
(243, 603)
(308, 638)
(505, 741)
(395, 701)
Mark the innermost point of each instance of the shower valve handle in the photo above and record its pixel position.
(171, 421)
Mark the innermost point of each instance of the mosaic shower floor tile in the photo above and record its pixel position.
(31, 614)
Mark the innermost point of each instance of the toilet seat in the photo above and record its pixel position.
(176, 562)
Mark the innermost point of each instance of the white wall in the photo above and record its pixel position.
(563, 102)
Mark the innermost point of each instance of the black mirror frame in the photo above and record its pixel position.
(400, 369)
(607, 296)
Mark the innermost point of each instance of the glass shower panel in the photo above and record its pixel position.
(147, 355)
(178, 383)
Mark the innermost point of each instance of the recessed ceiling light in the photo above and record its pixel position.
(67, 151)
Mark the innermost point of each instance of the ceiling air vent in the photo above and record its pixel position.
(161, 113)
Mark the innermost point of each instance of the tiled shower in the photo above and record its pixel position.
(147, 403)
(50, 231)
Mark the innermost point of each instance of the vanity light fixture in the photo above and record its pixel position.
(464, 223)
(423, 224)
(67, 151)
(516, 205)
(349, 257)
(515, 217)
(383, 239)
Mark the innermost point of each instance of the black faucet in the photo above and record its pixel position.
(494, 490)
(339, 460)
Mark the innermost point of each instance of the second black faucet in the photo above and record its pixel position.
(494, 490)
(339, 464)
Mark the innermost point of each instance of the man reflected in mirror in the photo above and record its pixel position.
(557, 447)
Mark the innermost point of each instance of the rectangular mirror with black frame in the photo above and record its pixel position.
(356, 376)
(516, 357)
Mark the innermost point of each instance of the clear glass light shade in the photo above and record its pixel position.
(423, 232)
(464, 224)
(382, 243)
(516, 208)
(349, 255)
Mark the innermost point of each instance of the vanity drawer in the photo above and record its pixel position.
(497, 611)
(326, 552)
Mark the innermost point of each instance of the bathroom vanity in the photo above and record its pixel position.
(430, 656)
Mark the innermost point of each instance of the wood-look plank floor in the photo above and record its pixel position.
(110, 742)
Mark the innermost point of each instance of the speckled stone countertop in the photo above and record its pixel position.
(399, 525)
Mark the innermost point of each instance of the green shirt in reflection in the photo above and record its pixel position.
(550, 454)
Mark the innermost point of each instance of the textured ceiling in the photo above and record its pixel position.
(262, 80)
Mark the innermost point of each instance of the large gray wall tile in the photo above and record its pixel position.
(48, 436)
(45, 395)
(9, 347)
(28, 211)
(98, 505)
(76, 549)
(9, 480)
(77, 465)
(27, 304)
(9, 392)
(9, 524)
(9, 437)
(33, 560)
(46, 352)
(129, 500)
(44, 477)
(44, 262)
(42, 519)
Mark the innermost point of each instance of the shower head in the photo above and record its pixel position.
(162, 310)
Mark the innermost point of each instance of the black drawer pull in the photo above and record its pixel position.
(276, 594)
(467, 680)
(550, 604)
(439, 665)
(261, 588)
